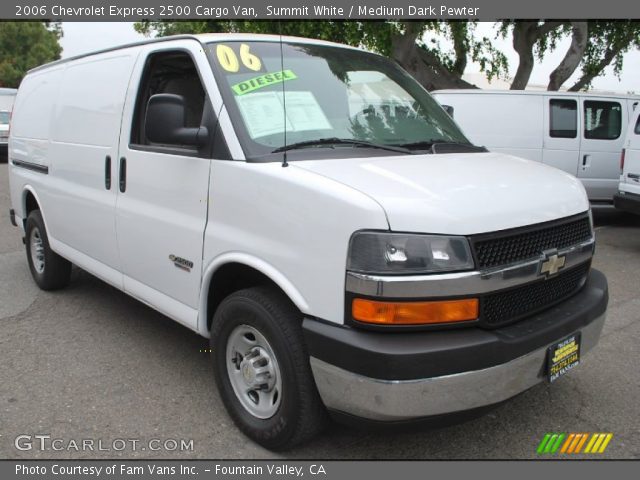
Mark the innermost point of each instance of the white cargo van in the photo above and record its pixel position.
(314, 212)
(628, 196)
(580, 133)
(7, 96)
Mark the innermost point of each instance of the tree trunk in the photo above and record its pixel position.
(525, 67)
(586, 79)
(572, 58)
(523, 42)
(525, 36)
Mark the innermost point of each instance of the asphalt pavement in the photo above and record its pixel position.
(89, 362)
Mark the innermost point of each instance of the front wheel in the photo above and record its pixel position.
(262, 369)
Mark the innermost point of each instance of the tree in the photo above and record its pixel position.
(608, 42)
(594, 46)
(530, 39)
(25, 45)
(408, 43)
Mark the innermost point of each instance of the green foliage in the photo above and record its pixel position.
(546, 38)
(466, 46)
(25, 45)
(549, 42)
(608, 42)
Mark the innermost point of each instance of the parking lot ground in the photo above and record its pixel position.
(89, 362)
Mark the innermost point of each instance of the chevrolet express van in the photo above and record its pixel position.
(314, 212)
(580, 133)
(628, 196)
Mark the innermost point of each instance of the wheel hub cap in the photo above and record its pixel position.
(36, 248)
(258, 369)
(254, 372)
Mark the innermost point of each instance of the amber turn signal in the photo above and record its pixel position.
(414, 313)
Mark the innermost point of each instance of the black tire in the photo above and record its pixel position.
(55, 272)
(300, 414)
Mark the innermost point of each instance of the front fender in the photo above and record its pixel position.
(254, 262)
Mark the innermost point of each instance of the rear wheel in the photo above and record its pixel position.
(49, 270)
(262, 369)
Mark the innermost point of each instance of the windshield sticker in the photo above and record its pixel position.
(304, 112)
(263, 81)
(229, 61)
(263, 113)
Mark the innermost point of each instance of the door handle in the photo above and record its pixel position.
(107, 172)
(585, 160)
(123, 174)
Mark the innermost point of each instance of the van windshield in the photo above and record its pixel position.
(337, 98)
(4, 118)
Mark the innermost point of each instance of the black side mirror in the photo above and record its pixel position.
(448, 109)
(165, 119)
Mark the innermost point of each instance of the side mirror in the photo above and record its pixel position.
(165, 119)
(448, 109)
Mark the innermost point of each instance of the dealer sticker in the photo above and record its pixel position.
(262, 81)
(563, 356)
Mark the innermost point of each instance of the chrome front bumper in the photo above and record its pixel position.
(390, 400)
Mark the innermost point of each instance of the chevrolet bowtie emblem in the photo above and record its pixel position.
(552, 264)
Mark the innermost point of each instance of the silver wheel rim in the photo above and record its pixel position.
(254, 372)
(36, 247)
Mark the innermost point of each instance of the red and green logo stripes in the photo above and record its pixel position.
(573, 443)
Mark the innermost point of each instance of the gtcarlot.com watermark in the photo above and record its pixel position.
(47, 443)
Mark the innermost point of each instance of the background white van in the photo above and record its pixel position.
(7, 96)
(628, 196)
(580, 133)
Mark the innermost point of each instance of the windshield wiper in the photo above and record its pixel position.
(435, 145)
(342, 141)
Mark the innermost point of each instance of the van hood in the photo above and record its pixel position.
(461, 193)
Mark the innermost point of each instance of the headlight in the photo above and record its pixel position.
(399, 253)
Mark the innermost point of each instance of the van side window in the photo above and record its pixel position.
(602, 120)
(169, 72)
(563, 118)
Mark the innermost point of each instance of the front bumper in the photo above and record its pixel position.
(388, 376)
(627, 202)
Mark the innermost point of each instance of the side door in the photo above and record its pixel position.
(85, 129)
(561, 145)
(161, 211)
(603, 122)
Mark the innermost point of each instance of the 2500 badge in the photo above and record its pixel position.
(181, 263)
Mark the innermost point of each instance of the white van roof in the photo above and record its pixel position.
(8, 91)
(474, 91)
(203, 38)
